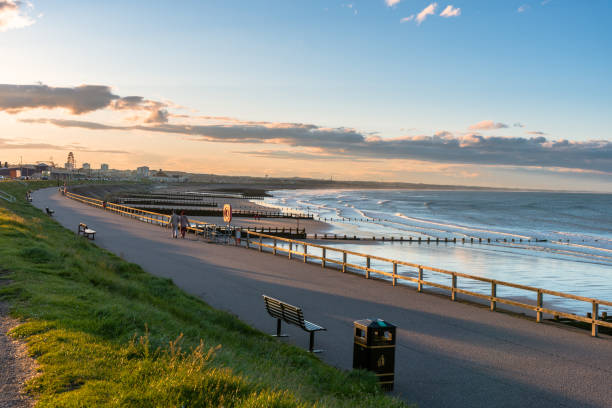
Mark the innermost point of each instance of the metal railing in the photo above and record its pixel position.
(7, 197)
(418, 271)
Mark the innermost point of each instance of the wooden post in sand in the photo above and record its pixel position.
(454, 288)
(493, 295)
(290, 249)
(367, 268)
(343, 261)
(305, 253)
(274, 249)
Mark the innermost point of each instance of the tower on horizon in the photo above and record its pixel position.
(70, 162)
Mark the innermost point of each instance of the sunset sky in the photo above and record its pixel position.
(491, 93)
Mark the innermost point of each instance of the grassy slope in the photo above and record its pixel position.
(106, 333)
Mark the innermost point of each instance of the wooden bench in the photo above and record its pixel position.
(49, 211)
(86, 231)
(293, 315)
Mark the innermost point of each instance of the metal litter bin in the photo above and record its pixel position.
(374, 349)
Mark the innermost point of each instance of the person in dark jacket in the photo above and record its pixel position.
(184, 224)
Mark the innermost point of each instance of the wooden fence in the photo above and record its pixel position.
(593, 318)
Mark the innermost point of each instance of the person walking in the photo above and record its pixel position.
(174, 223)
(184, 224)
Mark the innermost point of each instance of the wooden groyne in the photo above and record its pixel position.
(420, 239)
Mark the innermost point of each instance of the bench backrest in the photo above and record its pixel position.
(281, 310)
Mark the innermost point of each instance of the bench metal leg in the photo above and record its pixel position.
(278, 329)
(311, 345)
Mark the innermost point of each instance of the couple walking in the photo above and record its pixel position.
(176, 221)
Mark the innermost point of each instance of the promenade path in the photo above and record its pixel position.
(448, 354)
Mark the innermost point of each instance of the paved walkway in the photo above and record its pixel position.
(448, 355)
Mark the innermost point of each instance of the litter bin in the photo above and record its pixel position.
(374, 349)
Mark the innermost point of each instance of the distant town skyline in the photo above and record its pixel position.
(503, 94)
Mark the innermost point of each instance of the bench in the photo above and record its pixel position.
(86, 231)
(49, 211)
(282, 311)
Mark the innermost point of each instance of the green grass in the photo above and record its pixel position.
(106, 333)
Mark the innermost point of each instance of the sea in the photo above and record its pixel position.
(556, 241)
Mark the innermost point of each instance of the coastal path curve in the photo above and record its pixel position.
(449, 354)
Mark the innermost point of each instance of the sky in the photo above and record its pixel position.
(488, 93)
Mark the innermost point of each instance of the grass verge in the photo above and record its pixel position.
(106, 333)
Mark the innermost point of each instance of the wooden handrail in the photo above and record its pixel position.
(493, 298)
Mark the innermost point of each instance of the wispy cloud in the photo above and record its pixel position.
(427, 11)
(77, 100)
(536, 132)
(449, 11)
(391, 3)
(488, 125)
(441, 147)
(10, 144)
(523, 8)
(407, 19)
(14, 14)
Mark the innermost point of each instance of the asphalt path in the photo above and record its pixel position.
(449, 354)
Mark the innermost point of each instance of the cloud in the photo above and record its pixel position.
(441, 147)
(13, 14)
(518, 125)
(449, 11)
(391, 3)
(296, 155)
(427, 11)
(487, 125)
(8, 144)
(406, 19)
(77, 100)
(523, 8)
(535, 132)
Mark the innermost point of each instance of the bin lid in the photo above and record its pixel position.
(374, 323)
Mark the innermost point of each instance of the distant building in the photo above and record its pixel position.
(86, 166)
(142, 171)
(104, 167)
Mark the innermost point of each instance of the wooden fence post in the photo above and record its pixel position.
(323, 259)
(453, 288)
(274, 249)
(420, 284)
(539, 304)
(290, 249)
(248, 240)
(394, 272)
(260, 247)
(368, 267)
(493, 295)
(594, 327)
(305, 253)
(343, 261)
